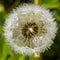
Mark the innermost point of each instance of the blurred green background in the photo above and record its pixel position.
(6, 53)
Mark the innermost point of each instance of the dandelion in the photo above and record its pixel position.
(30, 29)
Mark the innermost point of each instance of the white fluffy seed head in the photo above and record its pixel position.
(30, 43)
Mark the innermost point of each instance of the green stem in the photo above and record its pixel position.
(37, 2)
(36, 57)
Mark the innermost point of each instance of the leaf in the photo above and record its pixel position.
(50, 1)
(5, 52)
(56, 13)
(51, 4)
(2, 18)
(1, 30)
(1, 40)
(1, 44)
(52, 51)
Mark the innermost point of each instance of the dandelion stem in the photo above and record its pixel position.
(36, 1)
(36, 57)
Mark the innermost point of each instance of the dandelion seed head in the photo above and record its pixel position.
(30, 29)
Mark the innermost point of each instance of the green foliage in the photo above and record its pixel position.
(2, 18)
(51, 4)
(56, 13)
